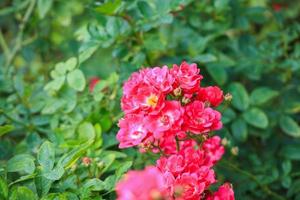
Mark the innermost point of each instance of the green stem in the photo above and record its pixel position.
(4, 45)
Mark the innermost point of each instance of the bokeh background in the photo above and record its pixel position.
(52, 49)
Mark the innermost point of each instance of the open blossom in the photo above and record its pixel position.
(187, 77)
(200, 119)
(142, 98)
(212, 94)
(213, 150)
(141, 185)
(160, 78)
(132, 130)
(168, 119)
(187, 170)
(225, 192)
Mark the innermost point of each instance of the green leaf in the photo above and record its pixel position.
(240, 98)
(6, 129)
(71, 63)
(22, 193)
(239, 130)
(76, 80)
(123, 168)
(262, 95)
(291, 151)
(228, 115)
(110, 7)
(256, 118)
(289, 126)
(46, 156)
(55, 174)
(21, 162)
(71, 157)
(205, 58)
(55, 84)
(86, 131)
(43, 7)
(3, 189)
(94, 185)
(145, 9)
(286, 167)
(42, 184)
(218, 73)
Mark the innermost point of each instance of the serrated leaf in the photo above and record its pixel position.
(21, 163)
(76, 80)
(262, 95)
(240, 98)
(256, 118)
(289, 126)
(46, 156)
(239, 130)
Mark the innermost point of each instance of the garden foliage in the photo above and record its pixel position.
(63, 64)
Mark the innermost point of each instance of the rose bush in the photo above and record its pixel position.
(62, 68)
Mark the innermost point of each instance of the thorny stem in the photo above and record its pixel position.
(264, 188)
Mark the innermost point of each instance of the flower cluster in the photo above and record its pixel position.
(168, 112)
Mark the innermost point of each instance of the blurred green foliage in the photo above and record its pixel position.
(57, 137)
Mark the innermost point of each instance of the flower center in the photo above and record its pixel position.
(136, 134)
(152, 100)
(165, 119)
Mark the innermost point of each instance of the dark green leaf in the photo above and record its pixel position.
(256, 118)
(239, 130)
(262, 95)
(289, 126)
(240, 98)
(21, 162)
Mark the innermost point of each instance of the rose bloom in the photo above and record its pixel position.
(168, 119)
(160, 78)
(212, 94)
(199, 119)
(225, 192)
(186, 174)
(143, 98)
(213, 150)
(141, 185)
(132, 130)
(187, 77)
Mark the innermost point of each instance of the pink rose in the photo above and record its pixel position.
(187, 77)
(132, 131)
(168, 119)
(211, 94)
(213, 149)
(199, 119)
(141, 185)
(225, 192)
(160, 78)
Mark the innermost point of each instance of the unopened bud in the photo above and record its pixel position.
(224, 141)
(177, 92)
(228, 97)
(185, 100)
(235, 151)
(100, 165)
(86, 161)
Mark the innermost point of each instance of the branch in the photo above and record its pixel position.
(19, 37)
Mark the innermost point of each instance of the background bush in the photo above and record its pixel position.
(57, 138)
